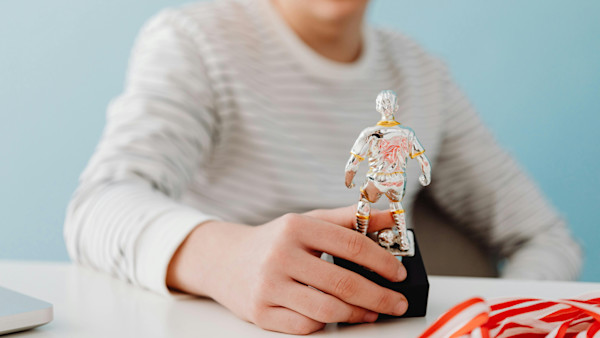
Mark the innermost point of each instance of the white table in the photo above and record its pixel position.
(92, 304)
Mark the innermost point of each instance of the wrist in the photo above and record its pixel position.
(197, 264)
(176, 271)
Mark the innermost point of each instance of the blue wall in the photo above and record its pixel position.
(531, 68)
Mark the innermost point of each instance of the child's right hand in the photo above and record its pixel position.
(272, 275)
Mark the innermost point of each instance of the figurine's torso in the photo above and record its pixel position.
(388, 149)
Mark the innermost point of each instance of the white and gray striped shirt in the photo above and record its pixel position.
(227, 114)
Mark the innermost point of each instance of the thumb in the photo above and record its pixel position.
(346, 217)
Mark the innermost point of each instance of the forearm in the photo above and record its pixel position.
(353, 163)
(425, 165)
(350, 178)
(128, 230)
(425, 179)
(551, 255)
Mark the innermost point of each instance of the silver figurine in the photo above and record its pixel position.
(387, 145)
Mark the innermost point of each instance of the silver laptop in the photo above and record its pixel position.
(19, 312)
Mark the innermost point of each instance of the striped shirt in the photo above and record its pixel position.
(226, 114)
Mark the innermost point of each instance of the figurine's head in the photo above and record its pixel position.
(387, 104)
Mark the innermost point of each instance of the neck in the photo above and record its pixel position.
(385, 122)
(338, 40)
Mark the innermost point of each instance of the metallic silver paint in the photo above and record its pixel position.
(387, 146)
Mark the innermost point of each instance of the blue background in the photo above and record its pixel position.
(532, 69)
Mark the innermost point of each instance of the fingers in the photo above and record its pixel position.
(347, 286)
(353, 246)
(346, 296)
(322, 307)
(346, 217)
(285, 320)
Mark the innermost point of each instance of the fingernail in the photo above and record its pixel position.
(370, 317)
(401, 273)
(401, 308)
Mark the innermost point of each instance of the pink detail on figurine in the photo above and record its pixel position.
(390, 149)
(390, 184)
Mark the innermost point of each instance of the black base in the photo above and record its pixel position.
(415, 287)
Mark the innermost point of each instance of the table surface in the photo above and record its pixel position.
(92, 304)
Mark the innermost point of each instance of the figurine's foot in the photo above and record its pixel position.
(391, 241)
(404, 244)
(386, 238)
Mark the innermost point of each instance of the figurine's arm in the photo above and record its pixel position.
(417, 151)
(357, 155)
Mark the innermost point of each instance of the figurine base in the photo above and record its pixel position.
(415, 287)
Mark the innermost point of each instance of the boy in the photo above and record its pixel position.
(237, 112)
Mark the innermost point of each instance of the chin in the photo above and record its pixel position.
(333, 10)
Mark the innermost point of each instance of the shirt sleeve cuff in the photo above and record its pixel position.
(159, 241)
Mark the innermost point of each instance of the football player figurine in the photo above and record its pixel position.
(387, 146)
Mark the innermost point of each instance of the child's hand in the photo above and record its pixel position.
(263, 273)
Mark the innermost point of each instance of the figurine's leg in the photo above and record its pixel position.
(363, 213)
(368, 194)
(395, 196)
(400, 220)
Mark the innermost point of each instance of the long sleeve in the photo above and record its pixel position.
(124, 217)
(483, 188)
